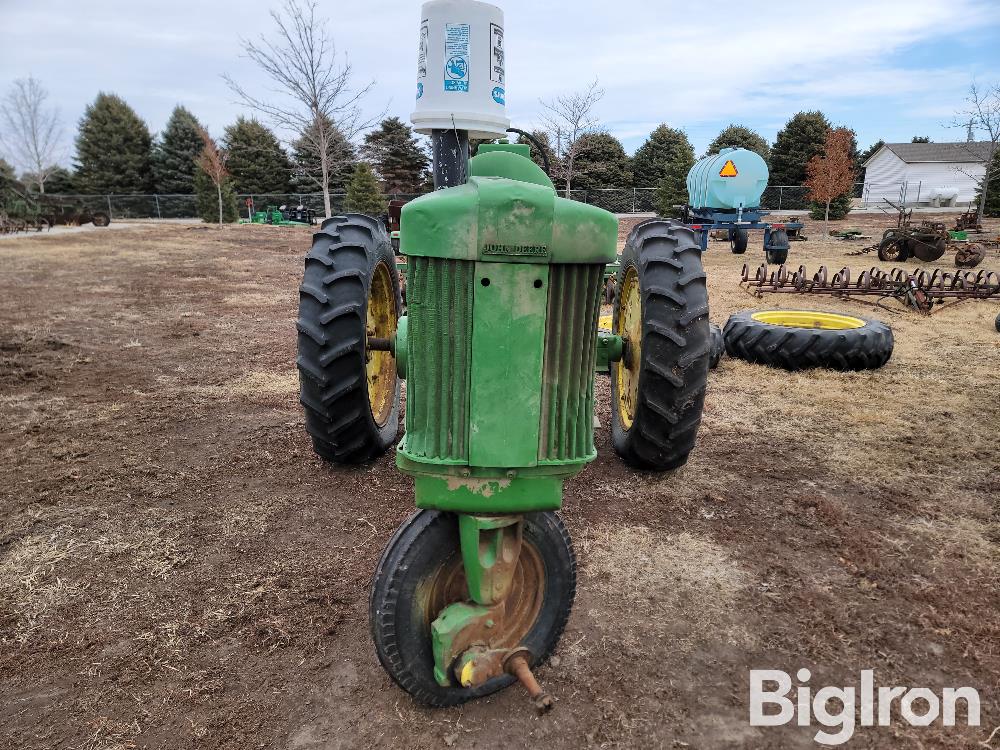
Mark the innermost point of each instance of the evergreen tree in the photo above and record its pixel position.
(60, 182)
(306, 167)
(257, 162)
(8, 180)
(536, 156)
(396, 156)
(800, 140)
(738, 136)
(992, 207)
(207, 199)
(601, 162)
(113, 149)
(664, 152)
(921, 139)
(672, 188)
(175, 152)
(363, 194)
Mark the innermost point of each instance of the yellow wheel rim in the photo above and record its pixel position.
(380, 366)
(629, 327)
(808, 319)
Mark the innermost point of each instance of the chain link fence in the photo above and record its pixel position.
(616, 200)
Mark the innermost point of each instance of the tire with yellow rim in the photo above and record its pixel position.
(803, 339)
(350, 293)
(661, 313)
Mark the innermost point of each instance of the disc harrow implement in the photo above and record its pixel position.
(920, 288)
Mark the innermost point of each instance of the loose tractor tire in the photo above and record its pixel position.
(661, 311)
(348, 301)
(803, 339)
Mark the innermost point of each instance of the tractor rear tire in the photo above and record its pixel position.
(661, 309)
(350, 395)
(718, 347)
(776, 251)
(996, 323)
(793, 340)
(738, 240)
(408, 591)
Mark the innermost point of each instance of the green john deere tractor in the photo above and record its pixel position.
(499, 347)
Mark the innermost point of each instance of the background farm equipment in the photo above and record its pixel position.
(499, 347)
(919, 289)
(969, 221)
(927, 241)
(724, 191)
(283, 216)
(20, 212)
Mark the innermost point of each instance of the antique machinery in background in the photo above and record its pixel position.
(499, 348)
(724, 192)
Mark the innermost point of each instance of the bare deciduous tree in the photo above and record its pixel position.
(212, 161)
(567, 118)
(30, 130)
(316, 95)
(831, 174)
(982, 113)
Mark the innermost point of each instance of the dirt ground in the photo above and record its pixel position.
(177, 570)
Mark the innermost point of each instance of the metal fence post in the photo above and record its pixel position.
(109, 208)
(633, 200)
(156, 197)
(781, 190)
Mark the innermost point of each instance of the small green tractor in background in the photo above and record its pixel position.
(499, 346)
(280, 216)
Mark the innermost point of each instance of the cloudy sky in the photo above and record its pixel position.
(888, 69)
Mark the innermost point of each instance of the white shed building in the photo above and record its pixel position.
(925, 173)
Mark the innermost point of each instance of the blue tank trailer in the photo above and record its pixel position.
(724, 192)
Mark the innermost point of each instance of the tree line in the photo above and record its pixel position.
(117, 154)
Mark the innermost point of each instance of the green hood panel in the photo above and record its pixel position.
(498, 219)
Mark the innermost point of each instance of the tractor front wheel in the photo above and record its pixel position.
(661, 312)
(421, 572)
(349, 295)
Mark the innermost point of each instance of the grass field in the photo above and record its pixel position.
(177, 569)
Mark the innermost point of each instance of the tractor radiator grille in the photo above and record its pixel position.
(566, 427)
(439, 308)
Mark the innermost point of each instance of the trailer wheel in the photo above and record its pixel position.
(738, 240)
(349, 292)
(776, 249)
(661, 310)
(420, 573)
(100, 219)
(803, 339)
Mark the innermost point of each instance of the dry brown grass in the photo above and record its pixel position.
(682, 586)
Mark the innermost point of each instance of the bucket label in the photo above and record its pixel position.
(422, 52)
(496, 54)
(456, 57)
